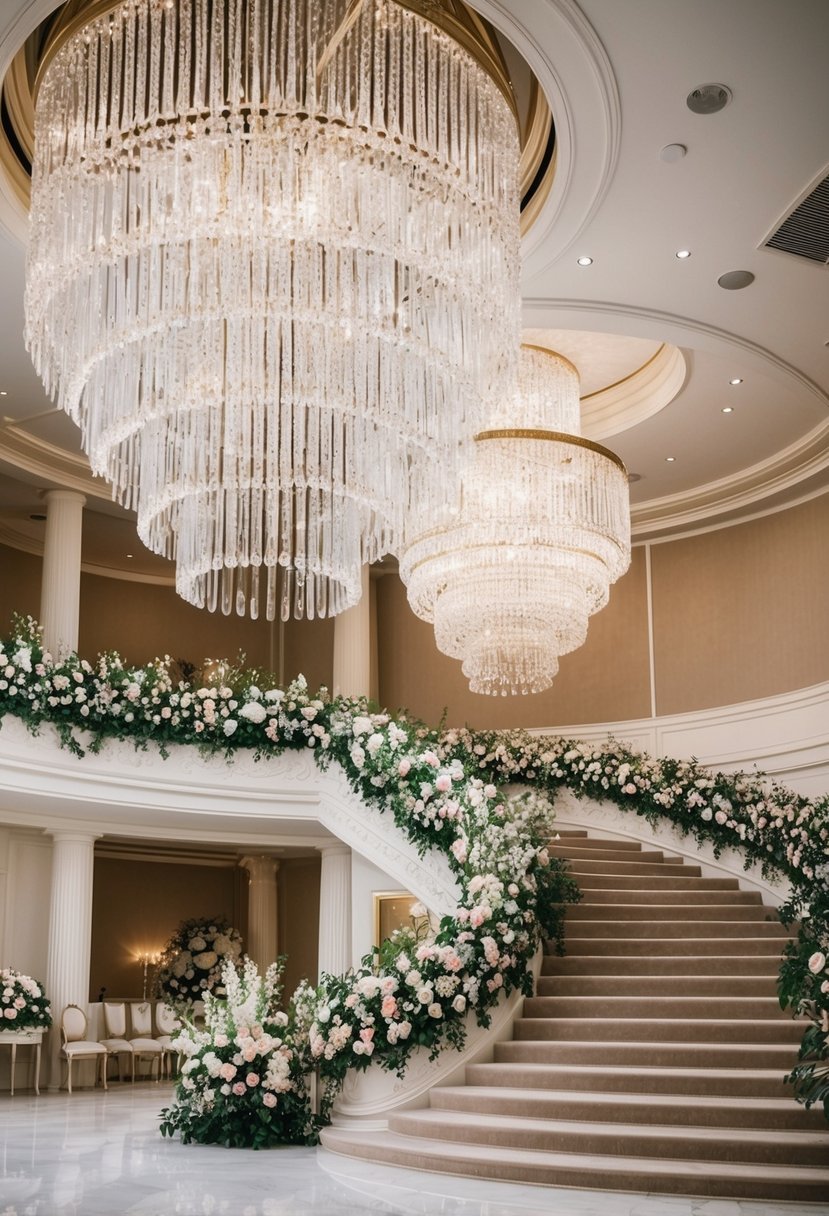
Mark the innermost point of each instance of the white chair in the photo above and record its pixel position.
(167, 1025)
(76, 1046)
(144, 1046)
(116, 1042)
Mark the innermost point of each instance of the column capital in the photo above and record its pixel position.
(61, 495)
(335, 848)
(260, 864)
(76, 835)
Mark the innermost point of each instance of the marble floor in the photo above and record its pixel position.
(98, 1154)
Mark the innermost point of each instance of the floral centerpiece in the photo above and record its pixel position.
(243, 1082)
(23, 1003)
(192, 962)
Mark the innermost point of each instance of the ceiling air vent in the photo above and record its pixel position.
(806, 232)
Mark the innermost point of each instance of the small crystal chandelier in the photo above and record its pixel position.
(543, 529)
(273, 274)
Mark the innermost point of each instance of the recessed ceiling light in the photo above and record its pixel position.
(728, 409)
(37, 517)
(129, 555)
(683, 253)
(708, 98)
(736, 380)
(585, 261)
(733, 280)
(670, 459)
(671, 153)
(3, 393)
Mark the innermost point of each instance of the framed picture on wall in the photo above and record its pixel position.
(397, 910)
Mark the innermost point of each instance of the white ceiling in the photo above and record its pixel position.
(617, 76)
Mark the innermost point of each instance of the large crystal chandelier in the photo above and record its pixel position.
(543, 529)
(273, 273)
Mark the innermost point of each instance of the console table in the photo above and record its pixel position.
(24, 1038)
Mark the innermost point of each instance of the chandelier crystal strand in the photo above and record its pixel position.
(511, 578)
(273, 276)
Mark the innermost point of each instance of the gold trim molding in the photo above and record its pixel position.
(577, 441)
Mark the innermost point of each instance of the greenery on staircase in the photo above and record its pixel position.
(444, 790)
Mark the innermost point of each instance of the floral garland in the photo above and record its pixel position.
(442, 789)
(193, 960)
(23, 1003)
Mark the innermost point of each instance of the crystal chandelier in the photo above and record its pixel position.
(273, 274)
(510, 578)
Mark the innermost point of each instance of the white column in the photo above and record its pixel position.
(262, 909)
(61, 586)
(352, 647)
(70, 933)
(335, 909)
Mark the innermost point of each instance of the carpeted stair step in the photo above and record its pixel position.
(686, 928)
(654, 882)
(613, 963)
(720, 1008)
(654, 947)
(691, 898)
(633, 1054)
(685, 1110)
(617, 1078)
(662, 869)
(665, 1176)
(657, 986)
(560, 1135)
(655, 1030)
(658, 913)
(576, 855)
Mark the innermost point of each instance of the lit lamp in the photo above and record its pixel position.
(146, 960)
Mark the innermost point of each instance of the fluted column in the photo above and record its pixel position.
(61, 586)
(70, 932)
(352, 646)
(335, 909)
(262, 909)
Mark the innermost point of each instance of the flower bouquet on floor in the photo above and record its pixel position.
(243, 1081)
(192, 963)
(23, 1003)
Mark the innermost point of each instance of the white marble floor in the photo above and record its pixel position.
(98, 1154)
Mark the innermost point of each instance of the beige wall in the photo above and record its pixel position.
(298, 918)
(606, 680)
(738, 613)
(138, 905)
(19, 585)
(742, 612)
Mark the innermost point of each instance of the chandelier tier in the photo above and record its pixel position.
(511, 576)
(273, 276)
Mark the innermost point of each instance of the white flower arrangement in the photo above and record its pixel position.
(191, 965)
(443, 791)
(23, 1003)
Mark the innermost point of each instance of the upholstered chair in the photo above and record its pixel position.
(116, 1041)
(144, 1046)
(76, 1046)
(167, 1027)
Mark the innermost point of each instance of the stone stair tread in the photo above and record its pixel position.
(664, 1133)
(639, 1076)
(708, 1178)
(612, 1098)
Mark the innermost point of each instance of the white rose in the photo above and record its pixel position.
(206, 960)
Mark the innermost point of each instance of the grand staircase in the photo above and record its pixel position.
(651, 1059)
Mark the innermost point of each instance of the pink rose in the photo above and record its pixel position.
(443, 783)
(817, 962)
(269, 1099)
(389, 1007)
(252, 1079)
(227, 1071)
(239, 1088)
(367, 1034)
(403, 767)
